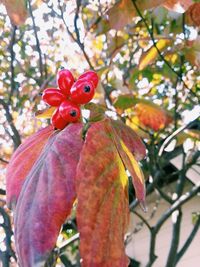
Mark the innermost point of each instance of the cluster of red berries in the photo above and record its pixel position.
(69, 95)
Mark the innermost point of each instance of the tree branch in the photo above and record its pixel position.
(175, 133)
(175, 240)
(2, 192)
(77, 39)
(4, 161)
(37, 40)
(180, 202)
(8, 231)
(143, 220)
(12, 56)
(68, 242)
(188, 241)
(15, 137)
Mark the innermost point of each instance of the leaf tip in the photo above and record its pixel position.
(143, 205)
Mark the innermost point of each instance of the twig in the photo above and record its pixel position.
(143, 220)
(2, 192)
(9, 233)
(4, 161)
(37, 40)
(189, 240)
(15, 137)
(168, 140)
(68, 242)
(180, 202)
(12, 68)
(77, 39)
(175, 240)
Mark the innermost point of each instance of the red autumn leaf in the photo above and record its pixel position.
(26, 154)
(102, 191)
(47, 197)
(152, 116)
(102, 212)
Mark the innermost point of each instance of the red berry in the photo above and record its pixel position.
(90, 76)
(82, 91)
(69, 111)
(53, 97)
(57, 121)
(65, 81)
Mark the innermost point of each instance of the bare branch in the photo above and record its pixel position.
(189, 240)
(37, 40)
(12, 56)
(15, 137)
(77, 39)
(168, 139)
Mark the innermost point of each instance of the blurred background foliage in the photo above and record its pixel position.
(147, 55)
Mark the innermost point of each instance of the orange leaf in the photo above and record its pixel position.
(152, 116)
(17, 10)
(102, 212)
(47, 197)
(26, 154)
(150, 55)
(192, 15)
(179, 6)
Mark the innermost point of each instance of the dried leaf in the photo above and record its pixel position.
(122, 12)
(17, 10)
(150, 55)
(179, 6)
(47, 197)
(116, 43)
(152, 115)
(192, 14)
(192, 52)
(102, 212)
(27, 153)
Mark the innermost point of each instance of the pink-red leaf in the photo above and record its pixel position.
(102, 212)
(47, 197)
(25, 155)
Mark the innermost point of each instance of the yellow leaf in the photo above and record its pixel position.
(151, 54)
(45, 113)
